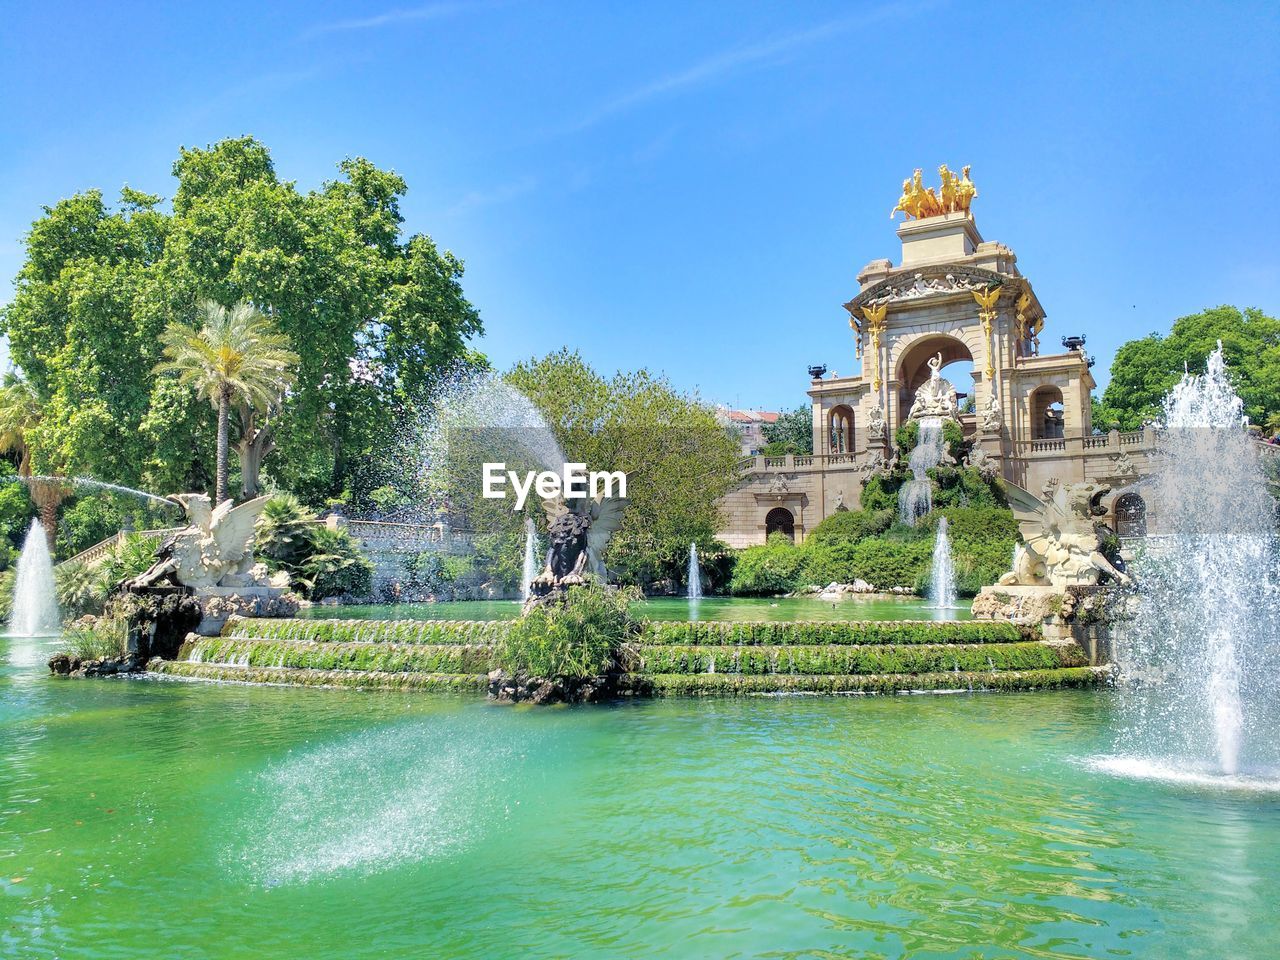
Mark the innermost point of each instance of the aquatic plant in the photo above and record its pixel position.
(580, 636)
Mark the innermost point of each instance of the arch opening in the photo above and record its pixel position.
(1047, 417)
(1131, 515)
(840, 429)
(780, 520)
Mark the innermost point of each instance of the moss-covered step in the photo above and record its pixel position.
(730, 685)
(366, 631)
(475, 683)
(844, 659)
(678, 633)
(380, 657)
(831, 633)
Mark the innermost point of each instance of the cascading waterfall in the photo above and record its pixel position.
(695, 574)
(530, 569)
(35, 604)
(916, 497)
(1204, 637)
(942, 578)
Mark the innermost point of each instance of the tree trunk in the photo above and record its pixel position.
(49, 519)
(224, 418)
(254, 444)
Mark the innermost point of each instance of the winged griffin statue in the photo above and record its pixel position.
(216, 549)
(1063, 545)
(578, 536)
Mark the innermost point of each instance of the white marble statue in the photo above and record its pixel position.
(216, 550)
(936, 396)
(1062, 544)
(992, 419)
(875, 423)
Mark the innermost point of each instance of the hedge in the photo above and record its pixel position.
(848, 660)
(719, 684)
(827, 633)
(366, 631)
(377, 657)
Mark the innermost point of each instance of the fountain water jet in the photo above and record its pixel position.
(916, 498)
(695, 574)
(530, 568)
(942, 577)
(35, 603)
(1205, 634)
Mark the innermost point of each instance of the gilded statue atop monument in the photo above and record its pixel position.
(919, 202)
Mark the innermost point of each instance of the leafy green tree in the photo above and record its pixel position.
(1144, 370)
(374, 316)
(678, 458)
(792, 432)
(235, 357)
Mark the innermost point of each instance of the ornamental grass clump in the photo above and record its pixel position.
(580, 636)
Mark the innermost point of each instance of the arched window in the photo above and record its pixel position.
(1047, 421)
(840, 429)
(1131, 515)
(780, 520)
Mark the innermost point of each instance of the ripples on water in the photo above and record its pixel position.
(149, 819)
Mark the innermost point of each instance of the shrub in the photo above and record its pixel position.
(282, 540)
(103, 637)
(335, 566)
(881, 493)
(84, 588)
(322, 562)
(850, 526)
(79, 588)
(579, 637)
(773, 568)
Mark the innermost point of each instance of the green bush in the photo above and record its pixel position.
(321, 561)
(104, 637)
(335, 566)
(850, 526)
(282, 539)
(84, 588)
(881, 492)
(579, 637)
(770, 569)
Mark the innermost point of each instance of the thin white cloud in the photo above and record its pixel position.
(430, 11)
(487, 198)
(743, 57)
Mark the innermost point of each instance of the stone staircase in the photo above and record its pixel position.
(667, 659)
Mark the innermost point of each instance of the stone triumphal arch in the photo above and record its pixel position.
(952, 300)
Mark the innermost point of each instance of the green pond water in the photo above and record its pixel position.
(672, 608)
(161, 819)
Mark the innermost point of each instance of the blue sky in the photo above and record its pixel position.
(693, 187)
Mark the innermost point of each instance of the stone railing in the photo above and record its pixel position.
(386, 535)
(1113, 442)
(375, 536)
(799, 461)
(99, 550)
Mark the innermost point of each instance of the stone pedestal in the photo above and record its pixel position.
(219, 603)
(1079, 614)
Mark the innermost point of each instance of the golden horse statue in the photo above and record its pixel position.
(918, 201)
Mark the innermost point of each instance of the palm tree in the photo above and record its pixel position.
(20, 413)
(236, 355)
